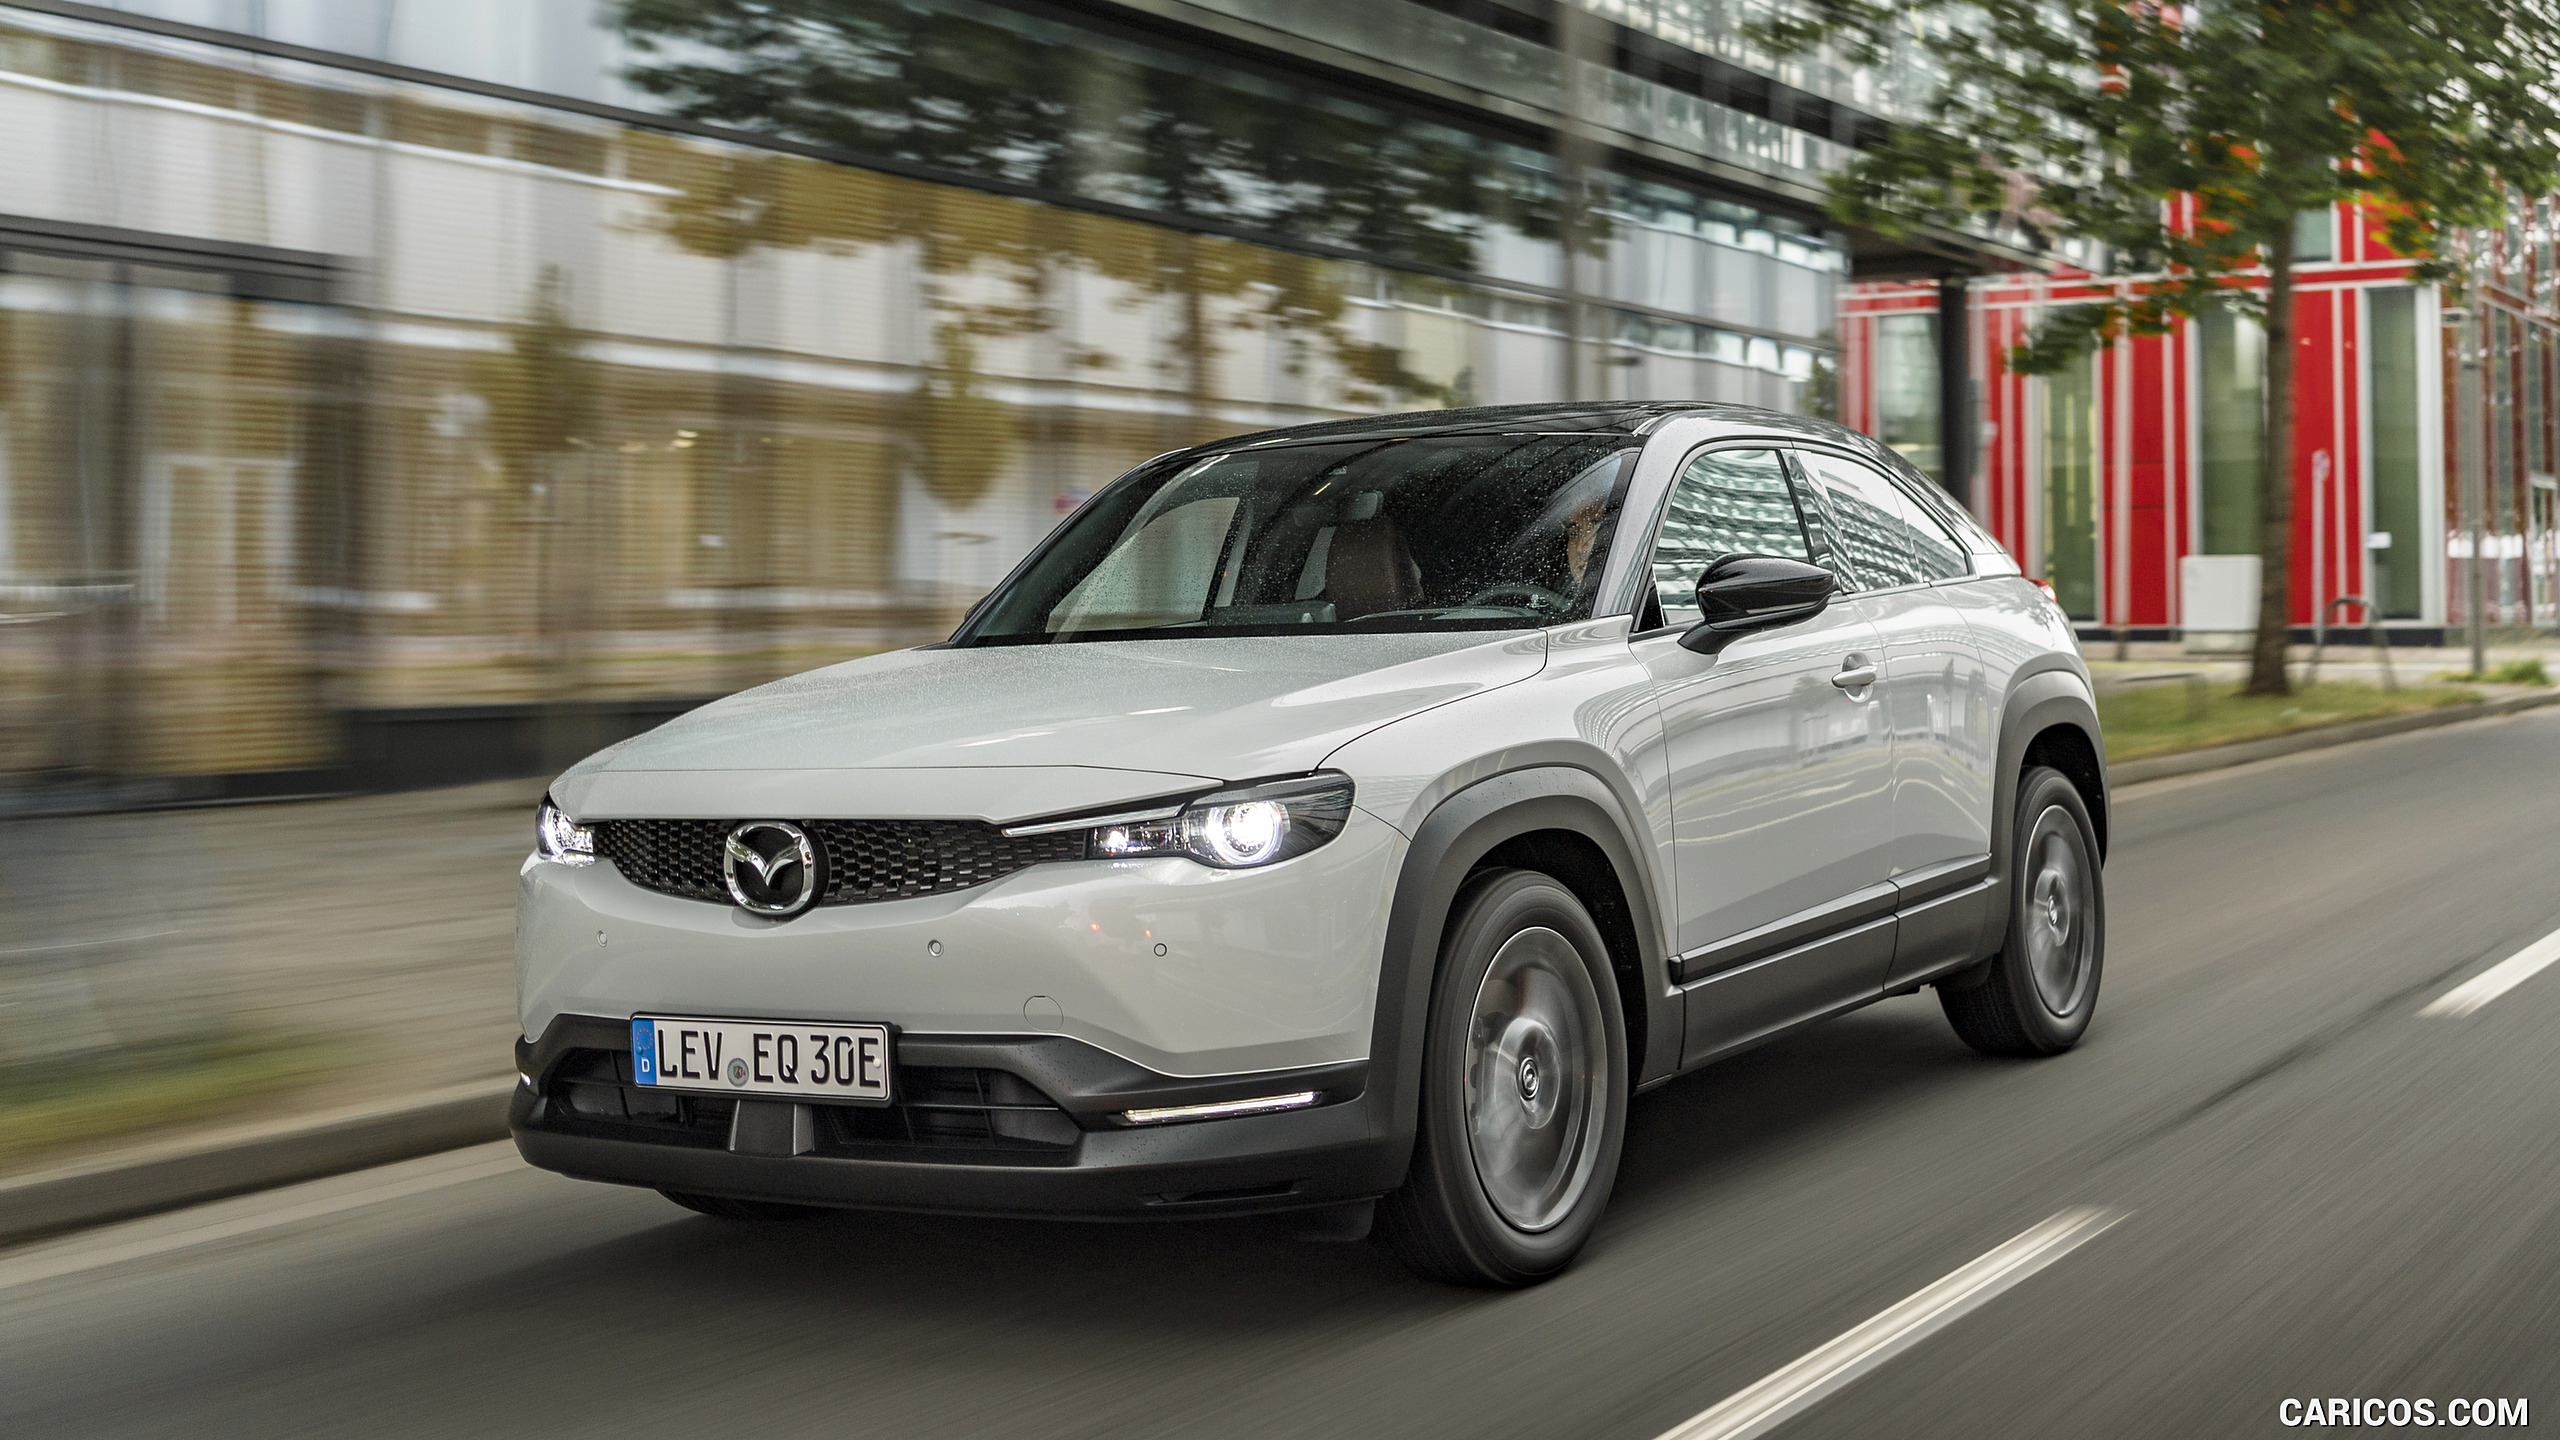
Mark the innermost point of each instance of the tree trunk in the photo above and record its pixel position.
(2275, 482)
(1198, 346)
(1581, 47)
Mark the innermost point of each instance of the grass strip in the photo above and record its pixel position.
(2169, 715)
(155, 1087)
(2514, 672)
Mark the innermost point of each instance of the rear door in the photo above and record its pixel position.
(1780, 767)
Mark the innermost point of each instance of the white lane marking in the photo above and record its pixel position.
(2498, 979)
(91, 1252)
(1760, 1408)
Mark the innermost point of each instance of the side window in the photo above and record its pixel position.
(1953, 518)
(1873, 523)
(1818, 526)
(1727, 502)
(1934, 542)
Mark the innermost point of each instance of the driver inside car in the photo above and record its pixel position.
(1581, 528)
(1550, 566)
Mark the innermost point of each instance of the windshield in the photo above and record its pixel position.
(1421, 533)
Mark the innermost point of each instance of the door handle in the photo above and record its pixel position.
(1855, 676)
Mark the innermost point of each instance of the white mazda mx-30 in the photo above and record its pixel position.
(1350, 819)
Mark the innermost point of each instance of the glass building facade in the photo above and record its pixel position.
(394, 392)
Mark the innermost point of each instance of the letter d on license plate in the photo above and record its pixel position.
(763, 1057)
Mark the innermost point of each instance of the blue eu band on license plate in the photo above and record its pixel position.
(801, 1060)
(644, 1051)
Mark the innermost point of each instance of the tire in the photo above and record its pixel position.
(1524, 1090)
(723, 1207)
(2036, 996)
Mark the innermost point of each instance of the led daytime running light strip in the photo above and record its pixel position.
(1237, 828)
(1092, 822)
(1220, 1109)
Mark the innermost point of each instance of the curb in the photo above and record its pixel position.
(2222, 757)
(253, 1157)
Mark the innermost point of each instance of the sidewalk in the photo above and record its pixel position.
(380, 927)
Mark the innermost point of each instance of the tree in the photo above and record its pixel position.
(2185, 139)
(986, 94)
(544, 395)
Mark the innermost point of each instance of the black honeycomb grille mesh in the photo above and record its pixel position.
(673, 857)
(869, 860)
(859, 861)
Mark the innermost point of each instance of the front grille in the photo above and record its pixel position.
(937, 1108)
(867, 860)
(859, 861)
(672, 857)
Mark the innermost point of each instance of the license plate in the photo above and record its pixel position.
(762, 1057)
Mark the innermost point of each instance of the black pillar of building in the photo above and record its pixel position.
(1955, 392)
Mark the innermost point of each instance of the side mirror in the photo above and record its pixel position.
(1742, 593)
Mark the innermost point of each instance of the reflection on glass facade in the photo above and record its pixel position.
(2071, 487)
(2520, 500)
(333, 401)
(1727, 502)
(2542, 494)
(2393, 375)
(1872, 526)
(2506, 491)
(161, 472)
(1906, 378)
(2231, 397)
(979, 90)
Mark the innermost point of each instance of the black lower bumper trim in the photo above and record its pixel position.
(1250, 1163)
(1336, 1151)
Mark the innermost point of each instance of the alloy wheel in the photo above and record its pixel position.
(2060, 939)
(1536, 1079)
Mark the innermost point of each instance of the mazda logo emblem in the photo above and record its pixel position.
(771, 867)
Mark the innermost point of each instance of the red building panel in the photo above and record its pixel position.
(2148, 409)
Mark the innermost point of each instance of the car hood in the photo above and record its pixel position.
(1061, 726)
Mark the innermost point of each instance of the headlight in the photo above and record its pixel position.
(1241, 832)
(559, 839)
(1233, 829)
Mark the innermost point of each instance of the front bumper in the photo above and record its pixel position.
(1182, 968)
(1048, 1142)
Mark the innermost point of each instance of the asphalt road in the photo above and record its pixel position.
(2324, 1192)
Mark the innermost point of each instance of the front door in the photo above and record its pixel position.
(1780, 765)
(1941, 710)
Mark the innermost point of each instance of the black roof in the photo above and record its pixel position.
(1601, 417)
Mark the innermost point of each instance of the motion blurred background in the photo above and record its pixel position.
(398, 395)
(411, 398)
(400, 399)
